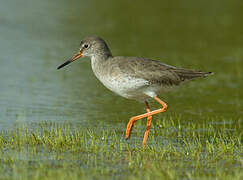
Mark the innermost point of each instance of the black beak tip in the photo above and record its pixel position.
(64, 64)
(59, 67)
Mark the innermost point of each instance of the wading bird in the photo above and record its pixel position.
(133, 77)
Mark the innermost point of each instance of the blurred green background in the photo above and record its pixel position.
(37, 36)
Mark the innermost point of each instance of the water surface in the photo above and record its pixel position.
(37, 36)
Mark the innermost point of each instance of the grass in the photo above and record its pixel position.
(175, 151)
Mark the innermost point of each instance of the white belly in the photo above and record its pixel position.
(127, 87)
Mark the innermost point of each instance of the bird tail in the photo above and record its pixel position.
(185, 74)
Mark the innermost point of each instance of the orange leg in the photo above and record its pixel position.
(135, 118)
(149, 122)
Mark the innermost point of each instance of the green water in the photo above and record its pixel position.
(37, 36)
(200, 136)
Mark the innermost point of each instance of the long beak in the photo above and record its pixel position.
(74, 58)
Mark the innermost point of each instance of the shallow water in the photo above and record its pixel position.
(37, 36)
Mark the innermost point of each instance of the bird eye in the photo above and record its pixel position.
(86, 46)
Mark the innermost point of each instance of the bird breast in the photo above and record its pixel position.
(119, 82)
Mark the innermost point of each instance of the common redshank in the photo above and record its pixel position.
(133, 77)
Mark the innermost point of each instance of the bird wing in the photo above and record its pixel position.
(156, 72)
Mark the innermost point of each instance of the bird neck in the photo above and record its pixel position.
(101, 57)
(98, 59)
(102, 53)
(98, 64)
